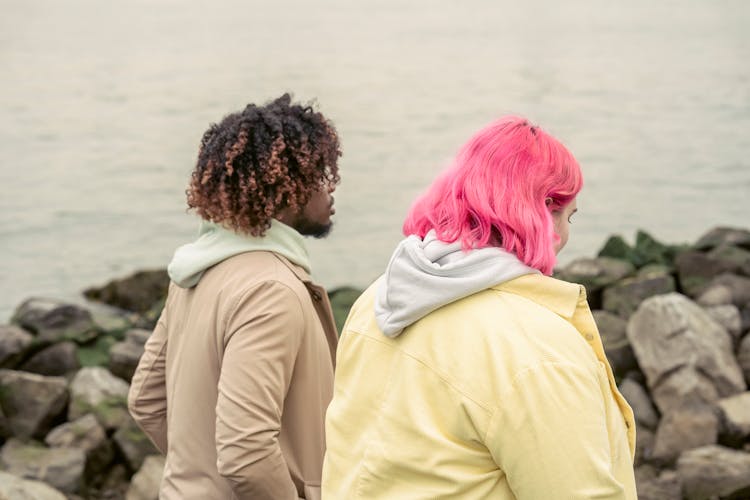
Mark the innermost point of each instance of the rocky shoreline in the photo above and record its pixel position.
(674, 320)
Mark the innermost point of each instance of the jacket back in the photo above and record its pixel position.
(243, 363)
(503, 394)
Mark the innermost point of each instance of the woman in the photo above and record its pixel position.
(465, 371)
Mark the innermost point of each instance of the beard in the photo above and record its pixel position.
(308, 227)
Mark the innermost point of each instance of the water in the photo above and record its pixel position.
(103, 105)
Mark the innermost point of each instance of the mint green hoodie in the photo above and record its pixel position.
(216, 243)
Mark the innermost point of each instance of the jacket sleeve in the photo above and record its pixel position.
(147, 399)
(263, 337)
(549, 435)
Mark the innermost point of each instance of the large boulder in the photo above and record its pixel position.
(55, 360)
(137, 292)
(124, 356)
(682, 429)
(735, 412)
(595, 274)
(647, 250)
(133, 444)
(743, 357)
(738, 286)
(734, 259)
(53, 321)
(623, 298)
(643, 409)
(727, 316)
(714, 471)
(715, 295)
(674, 338)
(664, 486)
(17, 488)
(111, 320)
(88, 435)
(95, 390)
(720, 236)
(14, 343)
(31, 402)
(616, 345)
(59, 467)
(644, 446)
(146, 482)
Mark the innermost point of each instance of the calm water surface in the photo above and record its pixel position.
(103, 105)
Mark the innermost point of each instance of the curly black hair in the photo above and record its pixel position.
(261, 160)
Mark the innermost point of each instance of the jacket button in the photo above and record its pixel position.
(589, 337)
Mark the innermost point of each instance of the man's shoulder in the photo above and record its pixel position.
(248, 270)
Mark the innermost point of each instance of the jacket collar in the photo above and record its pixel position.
(558, 296)
(298, 271)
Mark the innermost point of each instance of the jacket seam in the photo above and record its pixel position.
(484, 406)
(255, 287)
(497, 409)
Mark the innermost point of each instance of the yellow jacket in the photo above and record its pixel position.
(505, 394)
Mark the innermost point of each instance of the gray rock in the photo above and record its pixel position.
(14, 343)
(745, 319)
(59, 467)
(598, 272)
(644, 445)
(95, 390)
(719, 236)
(55, 360)
(734, 259)
(134, 445)
(4, 428)
(654, 270)
(713, 471)
(685, 386)
(696, 270)
(124, 357)
(616, 344)
(113, 484)
(146, 482)
(666, 486)
(137, 292)
(623, 297)
(671, 334)
(743, 357)
(88, 435)
(735, 411)
(53, 321)
(111, 320)
(727, 316)
(715, 295)
(683, 429)
(739, 286)
(137, 336)
(644, 411)
(16, 488)
(31, 402)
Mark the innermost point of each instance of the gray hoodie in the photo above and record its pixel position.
(424, 275)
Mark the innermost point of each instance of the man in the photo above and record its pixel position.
(235, 379)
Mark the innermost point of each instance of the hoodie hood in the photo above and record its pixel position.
(424, 275)
(216, 243)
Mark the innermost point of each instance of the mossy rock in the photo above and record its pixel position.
(342, 300)
(96, 354)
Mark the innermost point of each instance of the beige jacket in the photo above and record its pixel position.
(235, 380)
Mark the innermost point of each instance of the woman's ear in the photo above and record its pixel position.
(548, 201)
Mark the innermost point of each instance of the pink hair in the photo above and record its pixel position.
(496, 192)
